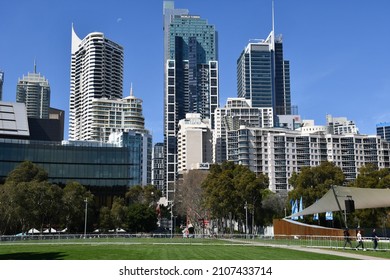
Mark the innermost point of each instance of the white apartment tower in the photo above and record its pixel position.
(237, 112)
(279, 153)
(96, 73)
(116, 115)
(194, 141)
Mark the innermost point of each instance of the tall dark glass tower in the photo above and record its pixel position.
(263, 76)
(190, 79)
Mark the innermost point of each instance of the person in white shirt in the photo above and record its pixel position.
(359, 240)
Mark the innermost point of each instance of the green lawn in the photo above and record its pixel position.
(149, 249)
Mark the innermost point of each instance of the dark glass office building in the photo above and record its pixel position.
(103, 169)
(383, 130)
(191, 78)
(263, 76)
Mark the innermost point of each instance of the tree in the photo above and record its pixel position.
(45, 202)
(189, 197)
(15, 208)
(22, 201)
(141, 218)
(372, 177)
(313, 182)
(73, 200)
(146, 195)
(119, 213)
(105, 219)
(229, 188)
(273, 206)
(27, 172)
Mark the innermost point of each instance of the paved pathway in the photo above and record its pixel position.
(343, 253)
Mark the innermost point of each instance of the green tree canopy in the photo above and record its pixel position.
(229, 188)
(312, 183)
(27, 172)
(73, 201)
(372, 177)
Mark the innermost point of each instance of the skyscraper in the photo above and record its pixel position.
(263, 76)
(158, 166)
(1, 84)
(383, 130)
(34, 91)
(113, 115)
(96, 73)
(191, 77)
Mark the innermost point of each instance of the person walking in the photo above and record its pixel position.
(359, 240)
(347, 238)
(375, 239)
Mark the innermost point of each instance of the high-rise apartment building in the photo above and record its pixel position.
(158, 167)
(263, 76)
(96, 73)
(113, 115)
(34, 91)
(194, 142)
(1, 84)
(237, 112)
(191, 78)
(279, 153)
(341, 125)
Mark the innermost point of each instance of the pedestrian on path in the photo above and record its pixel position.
(375, 239)
(359, 240)
(347, 238)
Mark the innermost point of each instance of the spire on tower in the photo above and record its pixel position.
(131, 90)
(273, 25)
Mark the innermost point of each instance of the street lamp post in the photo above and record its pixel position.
(246, 219)
(85, 218)
(172, 220)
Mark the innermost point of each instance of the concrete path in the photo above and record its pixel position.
(342, 253)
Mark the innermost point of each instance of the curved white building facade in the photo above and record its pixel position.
(96, 73)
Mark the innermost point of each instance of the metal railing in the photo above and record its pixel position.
(320, 241)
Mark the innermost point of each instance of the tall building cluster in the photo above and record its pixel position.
(109, 148)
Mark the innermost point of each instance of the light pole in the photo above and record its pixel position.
(85, 218)
(172, 220)
(246, 219)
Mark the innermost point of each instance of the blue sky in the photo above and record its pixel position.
(338, 50)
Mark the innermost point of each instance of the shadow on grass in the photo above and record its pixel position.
(33, 256)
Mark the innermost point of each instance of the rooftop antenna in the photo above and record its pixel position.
(35, 66)
(131, 89)
(273, 24)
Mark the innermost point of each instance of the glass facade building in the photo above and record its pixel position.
(104, 169)
(140, 148)
(263, 76)
(191, 78)
(383, 130)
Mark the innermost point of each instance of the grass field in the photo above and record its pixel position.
(150, 249)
